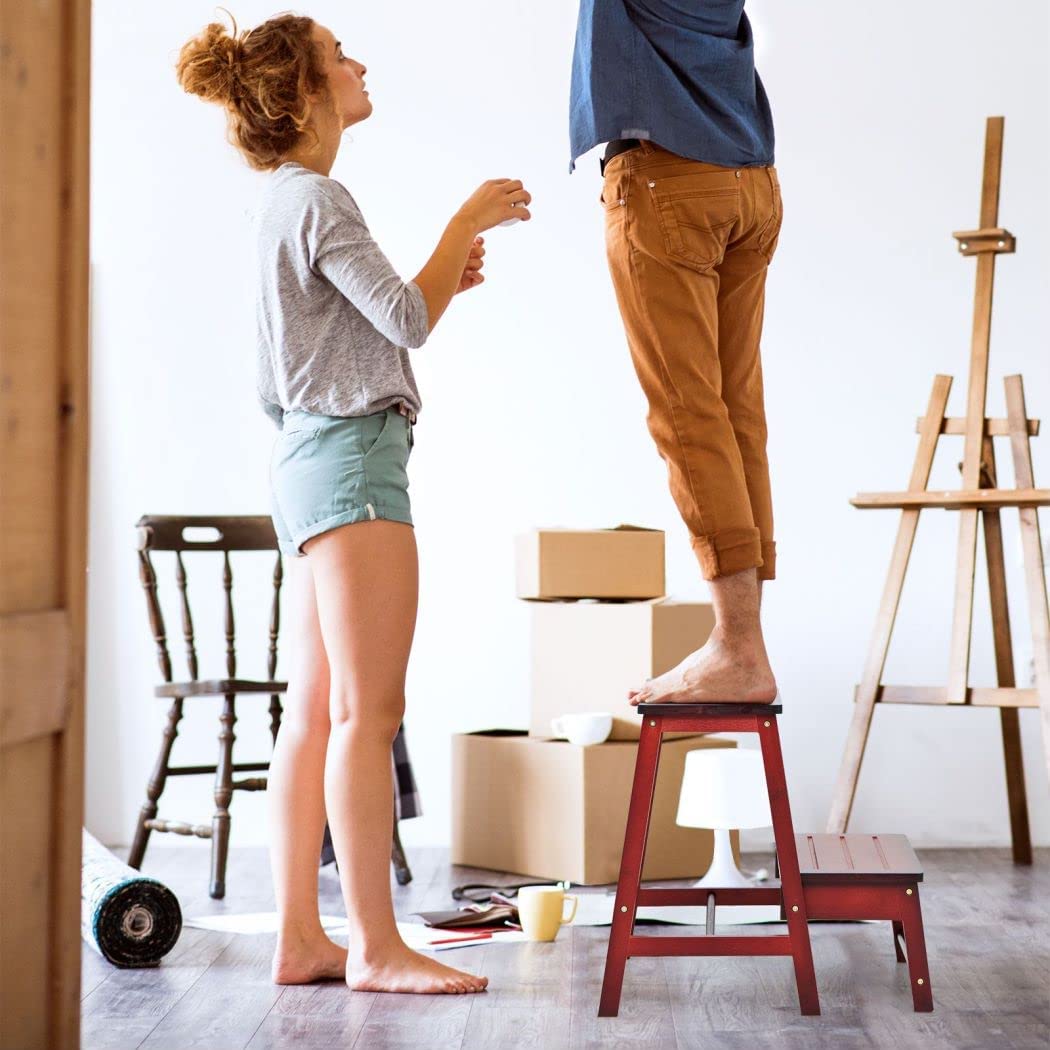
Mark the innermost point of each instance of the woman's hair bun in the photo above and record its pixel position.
(209, 65)
(266, 78)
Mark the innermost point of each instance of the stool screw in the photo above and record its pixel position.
(794, 907)
(908, 891)
(1002, 244)
(652, 722)
(964, 245)
(766, 724)
(623, 907)
(920, 981)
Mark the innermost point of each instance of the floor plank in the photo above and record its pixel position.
(986, 931)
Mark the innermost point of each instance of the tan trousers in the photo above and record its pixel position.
(688, 245)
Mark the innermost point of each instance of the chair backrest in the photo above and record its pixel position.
(165, 532)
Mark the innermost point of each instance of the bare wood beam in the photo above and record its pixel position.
(976, 696)
(953, 500)
(993, 426)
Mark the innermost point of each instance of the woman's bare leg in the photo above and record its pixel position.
(366, 580)
(295, 793)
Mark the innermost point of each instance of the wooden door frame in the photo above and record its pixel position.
(44, 391)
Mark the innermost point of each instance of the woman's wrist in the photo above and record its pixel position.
(466, 224)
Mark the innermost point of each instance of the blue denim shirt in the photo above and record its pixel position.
(680, 73)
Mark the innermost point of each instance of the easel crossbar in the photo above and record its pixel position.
(952, 500)
(976, 696)
(993, 426)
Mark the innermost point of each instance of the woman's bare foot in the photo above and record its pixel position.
(403, 970)
(302, 961)
(715, 673)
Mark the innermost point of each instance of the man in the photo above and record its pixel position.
(692, 217)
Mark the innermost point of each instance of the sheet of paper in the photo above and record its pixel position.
(421, 938)
(252, 922)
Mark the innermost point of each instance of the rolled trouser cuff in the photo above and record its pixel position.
(731, 550)
(768, 569)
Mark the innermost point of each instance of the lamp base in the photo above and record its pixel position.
(723, 871)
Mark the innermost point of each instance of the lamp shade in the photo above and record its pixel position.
(724, 789)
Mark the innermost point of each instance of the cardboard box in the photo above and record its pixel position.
(625, 562)
(586, 655)
(553, 810)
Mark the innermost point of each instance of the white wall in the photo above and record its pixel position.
(532, 412)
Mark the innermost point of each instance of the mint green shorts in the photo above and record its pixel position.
(327, 471)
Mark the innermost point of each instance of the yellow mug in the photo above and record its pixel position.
(541, 911)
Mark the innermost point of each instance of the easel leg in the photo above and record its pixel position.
(1031, 544)
(868, 690)
(787, 858)
(962, 621)
(631, 861)
(1004, 663)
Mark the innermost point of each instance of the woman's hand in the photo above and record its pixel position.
(472, 275)
(496, 201)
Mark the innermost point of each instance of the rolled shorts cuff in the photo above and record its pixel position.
(369, 512)
(729, 551)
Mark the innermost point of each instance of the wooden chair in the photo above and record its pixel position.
(233, 533)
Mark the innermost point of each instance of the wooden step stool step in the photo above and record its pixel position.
(854, 876)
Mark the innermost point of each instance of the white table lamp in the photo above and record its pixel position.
(723, 789)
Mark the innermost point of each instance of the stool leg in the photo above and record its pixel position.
(787, 858)
(918, 966)
(898, 936)
(631, 860)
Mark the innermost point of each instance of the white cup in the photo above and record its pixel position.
(541, 911)
(591, 727)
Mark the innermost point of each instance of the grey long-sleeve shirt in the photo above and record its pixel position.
(333, 316)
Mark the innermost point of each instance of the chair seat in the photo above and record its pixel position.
(218, 687)
(854, 857)
(692, 710)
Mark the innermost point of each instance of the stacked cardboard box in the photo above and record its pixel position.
(532, 804)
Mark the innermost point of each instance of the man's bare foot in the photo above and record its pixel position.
(403, 970)
(298, 961)
(715, 673)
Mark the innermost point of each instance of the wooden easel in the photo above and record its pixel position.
(979, 496)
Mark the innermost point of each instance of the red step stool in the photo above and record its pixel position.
(869, 877)
(658, 719)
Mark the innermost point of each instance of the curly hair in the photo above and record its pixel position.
(261, 77)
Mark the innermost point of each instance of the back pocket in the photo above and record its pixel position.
(697, 214)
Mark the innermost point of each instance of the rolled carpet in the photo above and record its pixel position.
(127, 917)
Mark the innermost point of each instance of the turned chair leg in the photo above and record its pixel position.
(220, 822)
(155, 786)
(397, 856)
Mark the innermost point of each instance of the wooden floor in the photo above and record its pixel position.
(987, 929)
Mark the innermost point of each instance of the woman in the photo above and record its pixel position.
(334, 320)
